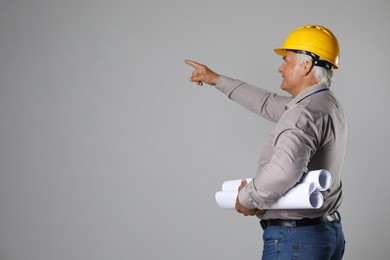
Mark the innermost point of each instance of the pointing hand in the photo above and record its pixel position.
(202, 74)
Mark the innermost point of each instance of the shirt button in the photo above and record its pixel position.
(286, 107)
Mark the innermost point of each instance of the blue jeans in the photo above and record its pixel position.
(319, 242)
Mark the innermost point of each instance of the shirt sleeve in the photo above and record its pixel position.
(262, 102)
(293, 148)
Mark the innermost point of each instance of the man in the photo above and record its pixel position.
(310, 134)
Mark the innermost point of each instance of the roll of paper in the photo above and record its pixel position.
(321, 178)
(304, 195)
(226, 199)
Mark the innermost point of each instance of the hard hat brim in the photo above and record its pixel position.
(280, 51)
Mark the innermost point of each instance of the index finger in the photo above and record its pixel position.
(193, 63)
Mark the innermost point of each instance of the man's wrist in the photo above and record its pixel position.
(243, 198)
(215, 80)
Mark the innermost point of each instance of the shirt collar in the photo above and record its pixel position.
(305, 93)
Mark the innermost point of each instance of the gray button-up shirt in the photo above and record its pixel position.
(310, 134)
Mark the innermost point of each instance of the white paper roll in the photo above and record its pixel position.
(226, 199)
(304, 195)
(321, 178)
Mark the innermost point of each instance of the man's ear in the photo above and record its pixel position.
(307, 67)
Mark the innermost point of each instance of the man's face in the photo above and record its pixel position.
(291, 75)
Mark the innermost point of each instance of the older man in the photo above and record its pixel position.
(310, 134)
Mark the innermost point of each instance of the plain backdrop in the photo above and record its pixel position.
(108, 152)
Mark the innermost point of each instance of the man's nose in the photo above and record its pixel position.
(280, 69)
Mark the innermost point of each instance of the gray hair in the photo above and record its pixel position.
(322, 74)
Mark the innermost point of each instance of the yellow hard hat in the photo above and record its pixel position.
(314, 39)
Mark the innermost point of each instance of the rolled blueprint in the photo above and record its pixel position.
(321, 178)
(226, 199)
(304, 195)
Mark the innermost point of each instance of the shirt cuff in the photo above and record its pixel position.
(245, 199)
(228, 85)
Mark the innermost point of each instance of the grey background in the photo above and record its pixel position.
(107, 152)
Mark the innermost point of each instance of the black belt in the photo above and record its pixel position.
(264, 223)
